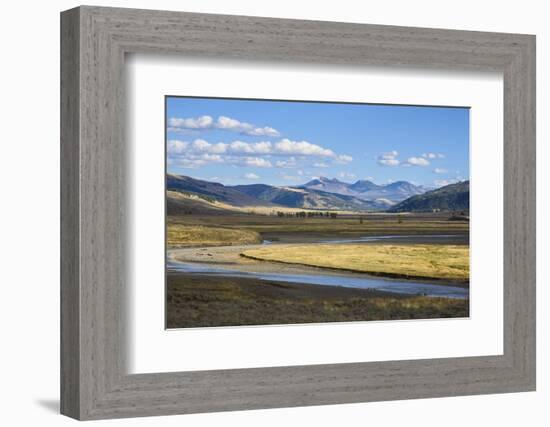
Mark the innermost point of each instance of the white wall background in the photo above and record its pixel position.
(29, 224)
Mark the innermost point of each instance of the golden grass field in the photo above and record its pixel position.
(449, 262)
(179, 235)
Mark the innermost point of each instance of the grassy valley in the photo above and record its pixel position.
(222, 227)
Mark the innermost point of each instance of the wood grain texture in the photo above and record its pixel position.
(70, 291)
(94, 232)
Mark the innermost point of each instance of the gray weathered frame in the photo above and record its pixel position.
(94, 41)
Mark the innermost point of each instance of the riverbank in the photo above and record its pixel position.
(196, 300)
(231, 257)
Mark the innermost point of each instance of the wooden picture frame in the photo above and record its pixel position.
(94, 382)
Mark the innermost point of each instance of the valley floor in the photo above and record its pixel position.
(218, 286)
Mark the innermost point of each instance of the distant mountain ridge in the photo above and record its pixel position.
(272, 196)
(453, 197)
(329, 185)
(367, 190)
(364, 185)
(327, 194)
(307, 198)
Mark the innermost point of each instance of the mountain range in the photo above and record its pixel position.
(319, 193)
(367, 190)
(307, 198)
(268, 195)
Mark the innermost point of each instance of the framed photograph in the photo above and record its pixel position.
(262, 213)
(256, 235)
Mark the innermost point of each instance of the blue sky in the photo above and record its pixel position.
(235, 141)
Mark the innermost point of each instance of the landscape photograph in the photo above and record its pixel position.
(295, 212)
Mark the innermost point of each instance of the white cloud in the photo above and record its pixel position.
(202, 146)
(235, 147)
(176, 147)
(265, 131)
(320, 165)
(389, 158)
(251, 175)
(284, 147)
(388, 162)
(301, 148)
(234, 125)
(258, 162)
(202, 122)
(343, 159)
(389, 155)
(176, 124)
(194, 161)
(433, 155)
(240, 147)
(440, 170)
(290, 153)
(200, 152)
(418, 161)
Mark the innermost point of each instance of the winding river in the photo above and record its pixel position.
(351, 280)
